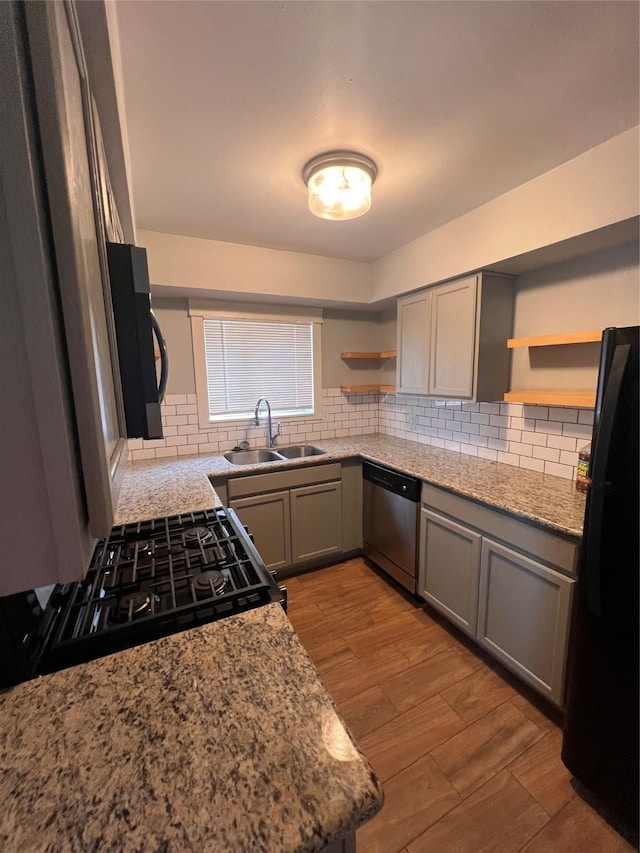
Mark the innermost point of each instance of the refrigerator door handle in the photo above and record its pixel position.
(599, 486)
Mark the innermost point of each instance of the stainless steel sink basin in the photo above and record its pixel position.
(299, 450)
(251, 457)
(280, 454)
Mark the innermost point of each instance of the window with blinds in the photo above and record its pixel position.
(249, 359)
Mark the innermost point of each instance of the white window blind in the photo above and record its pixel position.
(249, 359)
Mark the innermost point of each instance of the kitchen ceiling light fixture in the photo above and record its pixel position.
(339, 184)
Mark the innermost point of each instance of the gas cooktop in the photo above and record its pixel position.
(147, 580)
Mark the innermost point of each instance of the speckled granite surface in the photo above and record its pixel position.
(156, 488)
(221, 738)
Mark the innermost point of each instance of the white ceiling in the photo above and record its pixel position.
(457, 102)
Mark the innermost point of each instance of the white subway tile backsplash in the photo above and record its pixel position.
(538, 438)
(562, 442)
(549, 454)
(569, 415)
(487, 453)
(557, 470)
(532, 464)
(580, 431)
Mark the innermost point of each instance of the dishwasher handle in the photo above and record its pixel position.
(400, 484)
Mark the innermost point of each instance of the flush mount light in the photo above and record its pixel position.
(339, 184)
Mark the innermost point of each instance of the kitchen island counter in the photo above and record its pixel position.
(220, 738)
(154, 488)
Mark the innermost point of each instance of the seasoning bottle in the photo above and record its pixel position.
(584, 469)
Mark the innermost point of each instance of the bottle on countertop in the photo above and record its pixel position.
(584, 469)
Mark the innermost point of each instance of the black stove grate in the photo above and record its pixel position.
(141, 584)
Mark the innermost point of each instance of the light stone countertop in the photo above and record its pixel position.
(155, 488)
(221, 738)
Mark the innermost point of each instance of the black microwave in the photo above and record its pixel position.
(136, 326)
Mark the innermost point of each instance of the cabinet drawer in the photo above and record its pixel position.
(254, 484)
(551, 549)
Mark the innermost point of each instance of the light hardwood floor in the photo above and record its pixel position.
(468, 760)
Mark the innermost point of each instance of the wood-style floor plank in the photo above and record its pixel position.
(430, 640)
(577, 827)
(425, 679)
(432, 712)
(360, 674)
(397, 744)
(367, 711)
(541, 771)
(375, 636)
(500, 817)
(485, 747)
(478, 694)
(415, 799)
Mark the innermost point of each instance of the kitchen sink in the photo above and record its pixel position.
(251, 457)
(299, 450)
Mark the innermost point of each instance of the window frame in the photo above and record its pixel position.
(200, 311)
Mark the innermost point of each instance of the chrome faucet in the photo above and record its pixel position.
(272, 437)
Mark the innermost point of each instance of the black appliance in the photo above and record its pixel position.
(600, 745)
(135, 326)
(146, 580)
(391, 504)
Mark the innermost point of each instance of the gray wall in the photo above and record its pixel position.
(342, 331)
(594, 291)
(591, 292)
(173, 317)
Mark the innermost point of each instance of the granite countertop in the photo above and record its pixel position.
(154, 488)
(221, 738)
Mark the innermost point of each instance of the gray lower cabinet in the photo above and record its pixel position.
(316, 521)
(523, 616)
(513, 596)
(299, 516)
(449, 568)
(268, 518)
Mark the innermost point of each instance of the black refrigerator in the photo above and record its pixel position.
(600, 744)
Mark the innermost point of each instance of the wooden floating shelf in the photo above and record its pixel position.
(580, 399)
(361, 389)
(554, 340)
(391, 353)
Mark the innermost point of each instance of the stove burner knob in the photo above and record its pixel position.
(274, 574)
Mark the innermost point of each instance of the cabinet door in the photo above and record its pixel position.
(316, 521)
(412, 369)
(523, 617)
(269, 522)
(449, 568)
(452, 339)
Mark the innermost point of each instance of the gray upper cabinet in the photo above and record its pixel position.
(412, 365)
(452, 339)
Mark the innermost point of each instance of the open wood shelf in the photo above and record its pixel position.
(391, 353)
(361, 389)
(554, 340)
(555, 397)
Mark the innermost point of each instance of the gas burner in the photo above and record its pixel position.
(208, 581)
(133, 605)
(194, 537)
(143, 547)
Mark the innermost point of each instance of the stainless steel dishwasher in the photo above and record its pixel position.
(391, 511)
